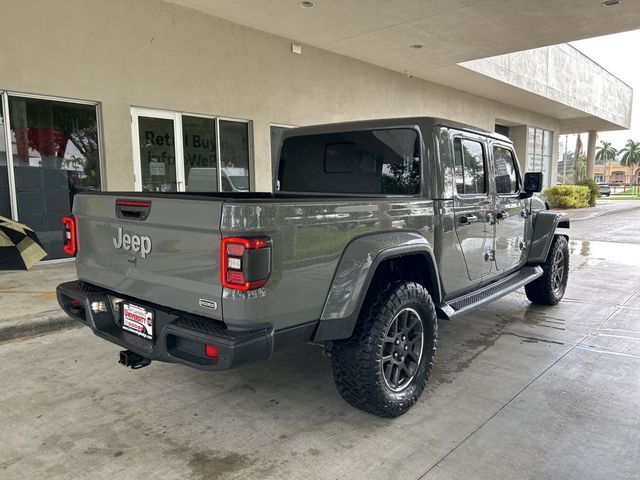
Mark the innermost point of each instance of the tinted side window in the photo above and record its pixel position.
(506, 173)
(469, 162)
(383, 161)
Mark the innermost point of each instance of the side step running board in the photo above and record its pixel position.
(489, 293)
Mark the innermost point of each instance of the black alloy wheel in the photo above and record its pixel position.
(402, 349)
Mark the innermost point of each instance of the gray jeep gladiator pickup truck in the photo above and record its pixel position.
(375, 231)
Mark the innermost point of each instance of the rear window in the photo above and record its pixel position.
(375, 162)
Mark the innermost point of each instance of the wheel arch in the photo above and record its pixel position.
(408, 255)
(545, 224)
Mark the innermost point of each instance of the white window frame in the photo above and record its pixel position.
(5, 94)
(137, 112)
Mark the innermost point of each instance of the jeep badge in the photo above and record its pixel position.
(132, 242)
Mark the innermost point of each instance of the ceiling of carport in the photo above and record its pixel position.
(451, 31)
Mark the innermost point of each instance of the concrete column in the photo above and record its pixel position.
(591, 153)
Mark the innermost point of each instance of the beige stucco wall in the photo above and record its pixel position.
(148, 53)
(564, 74)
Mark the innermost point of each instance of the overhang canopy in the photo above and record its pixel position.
(451, 32)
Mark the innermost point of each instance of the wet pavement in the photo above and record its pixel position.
(518, 391)
(608, 221)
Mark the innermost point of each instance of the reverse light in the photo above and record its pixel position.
(70, 244)
(245, 263)
(234, 263)
(98, 307)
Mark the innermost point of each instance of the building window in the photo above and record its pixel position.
(54, 154)
(617, 176)
(212, 154)
(539, 152)
(200, 153)
(234, 155)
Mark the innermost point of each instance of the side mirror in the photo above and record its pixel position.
(532, 183)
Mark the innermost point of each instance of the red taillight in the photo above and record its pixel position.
(70, 235)
(211, 351)
(245, 263)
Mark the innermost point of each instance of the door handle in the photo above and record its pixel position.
(467, 219)
(502, 215)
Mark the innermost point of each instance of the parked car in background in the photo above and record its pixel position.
(206, 180)
(605, 189)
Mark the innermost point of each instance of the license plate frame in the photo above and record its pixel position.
(138, 320)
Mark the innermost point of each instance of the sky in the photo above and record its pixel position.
(618, 54)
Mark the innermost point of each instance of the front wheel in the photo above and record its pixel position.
(384, 366)
(550, 287)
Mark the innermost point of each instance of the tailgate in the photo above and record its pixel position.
(161, 249)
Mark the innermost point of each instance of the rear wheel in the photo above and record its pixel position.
(550, 287)
(384, 366)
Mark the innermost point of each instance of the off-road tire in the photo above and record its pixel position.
(358, 361)
(548, 289)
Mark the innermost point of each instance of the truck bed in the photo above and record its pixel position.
(308, 234)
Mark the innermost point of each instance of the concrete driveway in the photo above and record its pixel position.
(517, 392)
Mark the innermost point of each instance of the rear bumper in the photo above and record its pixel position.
(179, 337)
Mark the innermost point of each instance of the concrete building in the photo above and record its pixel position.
(160, 95)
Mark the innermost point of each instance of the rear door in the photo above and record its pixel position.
(162, 248)
(473, 204)
(510, 209)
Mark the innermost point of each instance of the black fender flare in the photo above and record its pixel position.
(356, 269)
(544, 228)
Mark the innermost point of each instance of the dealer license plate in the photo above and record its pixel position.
(138, 320)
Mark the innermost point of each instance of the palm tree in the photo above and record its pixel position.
(630, 156)
(605, 152)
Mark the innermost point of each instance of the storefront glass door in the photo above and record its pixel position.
(157, 154)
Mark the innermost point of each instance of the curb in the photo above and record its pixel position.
(39, 323)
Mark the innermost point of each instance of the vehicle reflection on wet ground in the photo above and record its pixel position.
(518, 391)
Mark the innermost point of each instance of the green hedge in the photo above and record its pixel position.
(568, 196)
(594, 190)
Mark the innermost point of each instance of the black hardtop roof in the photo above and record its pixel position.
(391, 122)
